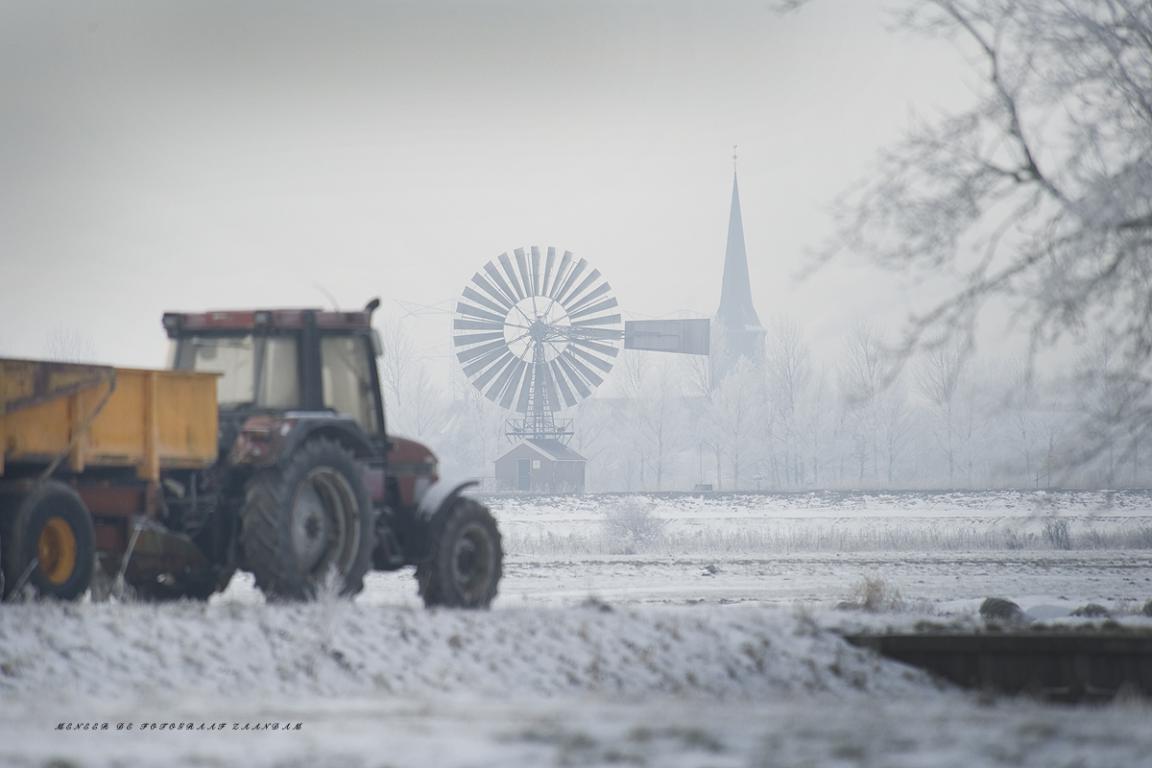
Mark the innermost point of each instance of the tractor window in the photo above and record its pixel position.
(232, 356)
(280, 382)
(347, 379)
(255, 370)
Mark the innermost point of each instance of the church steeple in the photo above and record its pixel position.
(736, 310)
(738, 330)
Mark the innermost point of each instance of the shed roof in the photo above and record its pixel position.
(553, 450)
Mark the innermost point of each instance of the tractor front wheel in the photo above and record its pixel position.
(467, 558)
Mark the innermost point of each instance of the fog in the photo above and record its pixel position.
(168, 156)
(162, 156)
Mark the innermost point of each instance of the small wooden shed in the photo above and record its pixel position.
(540, 466)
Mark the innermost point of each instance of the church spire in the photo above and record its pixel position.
(738, 330)
(736, 309)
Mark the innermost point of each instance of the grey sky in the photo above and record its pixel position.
(164, 155)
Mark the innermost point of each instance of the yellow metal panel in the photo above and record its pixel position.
(41, 429)
(152, 418)
(116, 437)
(186, 418)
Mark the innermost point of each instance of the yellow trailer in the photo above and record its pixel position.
(82, 448)
(98, 416)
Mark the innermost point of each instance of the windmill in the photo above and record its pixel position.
(536, 333)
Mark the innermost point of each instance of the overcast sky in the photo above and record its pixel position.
(175, 155)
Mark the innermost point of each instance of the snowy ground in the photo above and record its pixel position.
(713, 643)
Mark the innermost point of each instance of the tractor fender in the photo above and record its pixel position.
(270, 439)
(440, 496)
(435, 503)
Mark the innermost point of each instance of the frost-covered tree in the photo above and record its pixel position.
(70, 346)
(1039, 194)
(414, 404)
(396, 362)
(740, 422)
(1105, 394)
(863, 375)
(427, 409)
(1022, 422)
(651, 417)
(788, 364)
(816, 427)
(939, 378)
(895, 421)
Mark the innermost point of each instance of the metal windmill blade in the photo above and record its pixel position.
(536, 332)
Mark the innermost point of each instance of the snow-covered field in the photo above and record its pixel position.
(710, 638)
(837, 521)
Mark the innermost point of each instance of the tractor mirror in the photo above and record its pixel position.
(377, 345)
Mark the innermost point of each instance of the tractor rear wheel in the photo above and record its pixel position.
(467, 559)
(49, 544)
(307, 521)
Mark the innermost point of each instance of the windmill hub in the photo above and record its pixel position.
(537, 326)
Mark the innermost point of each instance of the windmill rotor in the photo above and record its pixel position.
(536, 333)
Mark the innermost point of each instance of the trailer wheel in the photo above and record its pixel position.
(467, 559)
(306, 520)
(49, 544)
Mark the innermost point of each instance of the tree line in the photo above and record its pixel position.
(945, 418)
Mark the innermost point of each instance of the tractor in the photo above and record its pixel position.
(303, 486)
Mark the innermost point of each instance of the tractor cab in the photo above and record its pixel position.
(287, 360)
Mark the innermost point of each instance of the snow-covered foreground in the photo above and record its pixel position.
(340, 648)
(379, 686)
(691, 654)
(445, 732)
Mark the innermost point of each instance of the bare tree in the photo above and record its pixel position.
(652, 417)
(705, 432)
(739, 419)
(396, 362)
(1021, 408)
(863, 375)
(789, 368)
(473, 430)
(815, 421)
(1105, 394)
(413, 401)
(426, 412)
(939, 379)
(895, 421)
(70, 345)
(1039, 194)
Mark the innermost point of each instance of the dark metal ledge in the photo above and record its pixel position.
(1071, 666)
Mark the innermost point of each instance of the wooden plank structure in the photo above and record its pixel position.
(1073, 665)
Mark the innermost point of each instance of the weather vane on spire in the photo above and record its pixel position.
(734, 157)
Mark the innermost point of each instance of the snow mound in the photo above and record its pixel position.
(341, 648)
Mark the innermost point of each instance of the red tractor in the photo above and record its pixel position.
(309, 487)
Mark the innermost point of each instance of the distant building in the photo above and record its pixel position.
(737, 331)
(540, 466)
